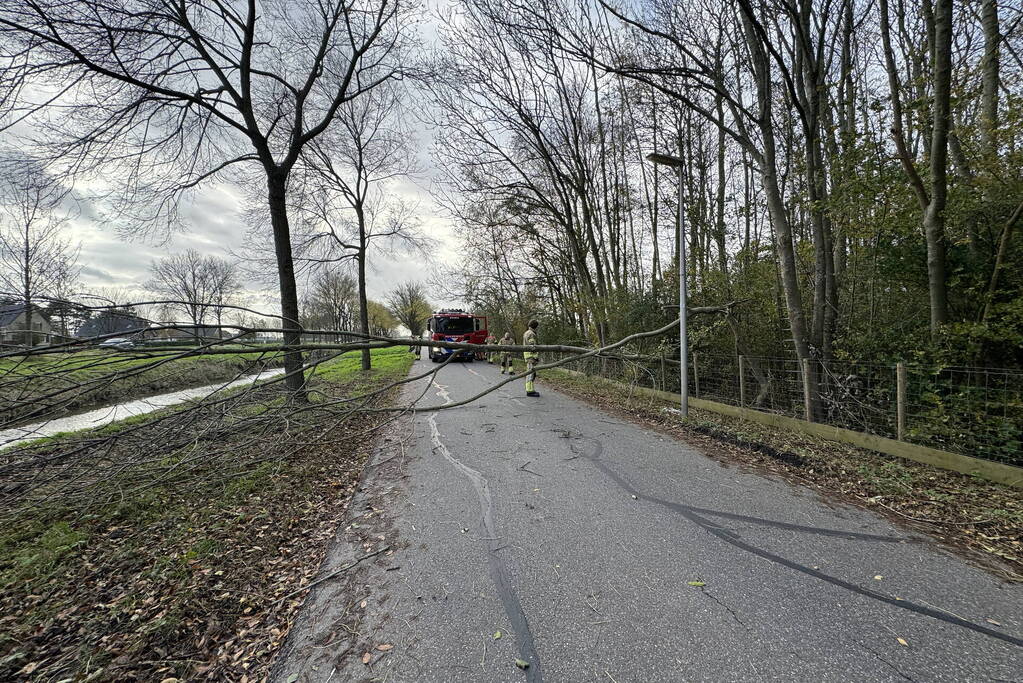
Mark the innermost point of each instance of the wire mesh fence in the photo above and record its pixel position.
(968, 410)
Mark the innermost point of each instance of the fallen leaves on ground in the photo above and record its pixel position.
(189, 586)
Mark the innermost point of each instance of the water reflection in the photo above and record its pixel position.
(106, 415)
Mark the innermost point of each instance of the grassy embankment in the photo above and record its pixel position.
(980, 519)
(40, 387)
(183, 578)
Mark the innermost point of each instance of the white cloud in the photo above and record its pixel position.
(212, 224)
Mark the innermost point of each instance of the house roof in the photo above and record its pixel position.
(10, 312)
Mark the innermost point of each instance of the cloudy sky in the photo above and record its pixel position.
(213, 225)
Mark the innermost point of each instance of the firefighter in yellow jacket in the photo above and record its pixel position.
(506, 363)
(491, 339)
(532, 357)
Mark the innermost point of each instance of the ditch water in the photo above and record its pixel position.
(108, 414)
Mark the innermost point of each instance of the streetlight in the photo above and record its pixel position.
(677, 163)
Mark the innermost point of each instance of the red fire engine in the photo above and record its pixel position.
(455, 325)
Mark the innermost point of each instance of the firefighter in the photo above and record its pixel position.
(507, 340)
(491, 339)
(532, 357)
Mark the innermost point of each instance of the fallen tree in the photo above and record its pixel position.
(264, 422)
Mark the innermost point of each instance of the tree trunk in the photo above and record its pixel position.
(720, 236)
(367, 363)
(775, 203)
(847, 127)
(27, 288)
(934, 215)
(989, 78)
(657, 275)
(1000, 256)
(295, 380)
(939, 32)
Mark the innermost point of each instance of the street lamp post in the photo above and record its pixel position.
(676, 163)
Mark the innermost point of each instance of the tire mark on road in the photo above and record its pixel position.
(802, 528)
(498, 571)
(733, 539)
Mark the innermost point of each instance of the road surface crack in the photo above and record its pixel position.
(729, 609)
(884, 661)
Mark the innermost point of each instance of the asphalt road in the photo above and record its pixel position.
(602, 551)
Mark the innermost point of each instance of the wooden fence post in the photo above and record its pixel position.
(696, 378)
(807, 402)
(900, 401)
(742, 382)
(664, 373)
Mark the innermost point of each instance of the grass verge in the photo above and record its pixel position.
(184, 578)
(977, 518)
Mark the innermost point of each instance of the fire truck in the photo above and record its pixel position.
(455, 325)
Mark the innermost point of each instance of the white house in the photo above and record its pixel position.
(15, 329)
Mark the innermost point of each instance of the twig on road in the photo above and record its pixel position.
(335, 573)
(524, 468)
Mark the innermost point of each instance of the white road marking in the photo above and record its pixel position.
(492, 538)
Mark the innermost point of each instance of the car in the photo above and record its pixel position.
(120, 343)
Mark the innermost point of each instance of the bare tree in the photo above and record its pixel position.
(199, 284)
(226, 286)
(167, 96)
(522, 132)
(332, 302)
(347, 207)
(407, 302)
(36, 261)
